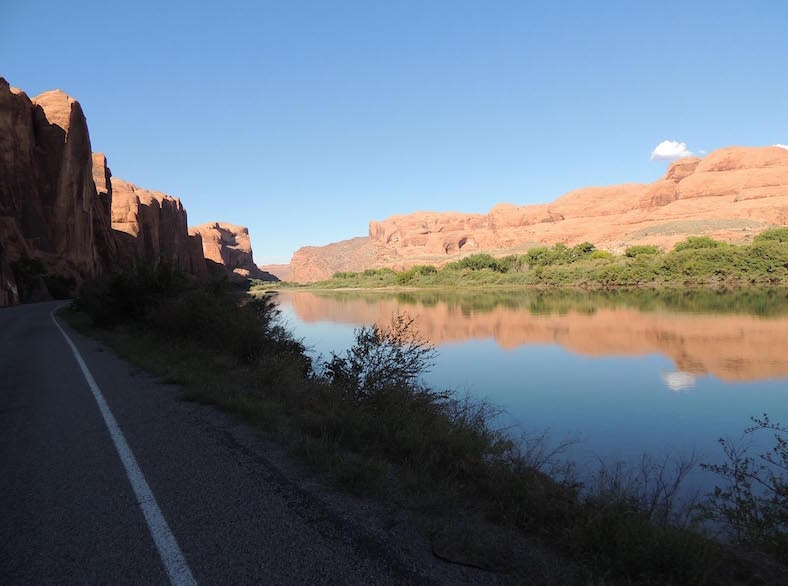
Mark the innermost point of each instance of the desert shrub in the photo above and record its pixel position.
(697, 242)
(393, 356)
(512, 263)
(559, 254)
(579, 252)
(120, 297)
(639, 249)
(773, 235)
(384, 272)
(246, 331)
(752, 503)
(542, 255)
(474, 262)
(601, 254)
(425, 270)
(404, 277)
(173, 305)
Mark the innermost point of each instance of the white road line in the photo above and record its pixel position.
(174, 563)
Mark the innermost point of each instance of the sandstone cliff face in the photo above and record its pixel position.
(229, 246)
(731, 194)
(60, 205)
(151, 227)
(47, 194)
(281, 272)
(106, 247)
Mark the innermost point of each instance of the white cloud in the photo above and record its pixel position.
(782, 146)
(670, 150)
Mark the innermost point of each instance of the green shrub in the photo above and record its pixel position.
(696, 243)
(639, 249)
(512, 263)
(404, 277)
(773, 235)
(425, 270)
(699, 260)
(601, 254)
(542, 256)
(474, 262)
(579, 252)
(384, 272)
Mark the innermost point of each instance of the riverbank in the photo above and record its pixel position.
(698, 262)
(365, 420)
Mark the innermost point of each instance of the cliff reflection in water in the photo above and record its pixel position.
(735, 337)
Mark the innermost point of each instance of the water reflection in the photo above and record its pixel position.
(678, 381)
(734, 337)
(656, 373)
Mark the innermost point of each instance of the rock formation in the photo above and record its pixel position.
(104, 239)
(61, 207)
(47, 194)
(731, 194)
(281, 272)
(229, 246)
(151, 227)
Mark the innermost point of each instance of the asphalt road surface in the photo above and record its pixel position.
(74, 509)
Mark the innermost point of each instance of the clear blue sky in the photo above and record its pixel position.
(304, 120)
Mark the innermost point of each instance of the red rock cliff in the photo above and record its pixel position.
(731, 194)
(60, 205)
(151, 227)
(229, 246)
(49, 208)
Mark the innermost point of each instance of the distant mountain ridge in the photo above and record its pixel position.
(731, 194)
(61, 208)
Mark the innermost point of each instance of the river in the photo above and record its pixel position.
(622, 374)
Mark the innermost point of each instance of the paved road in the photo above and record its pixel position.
(68, 512)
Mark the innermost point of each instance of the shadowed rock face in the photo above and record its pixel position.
(731, 194)
(104, 239)
(229, 246)
(48, 201)
(59, 203)
(9, 294)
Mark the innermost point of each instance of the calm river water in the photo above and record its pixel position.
(625, 374)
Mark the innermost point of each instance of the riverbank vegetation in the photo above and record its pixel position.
(366, 419)
(697, 261)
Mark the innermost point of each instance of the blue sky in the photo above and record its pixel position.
(305, 120)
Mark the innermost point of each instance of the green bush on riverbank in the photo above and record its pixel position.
(366, 418)
(697, 261)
